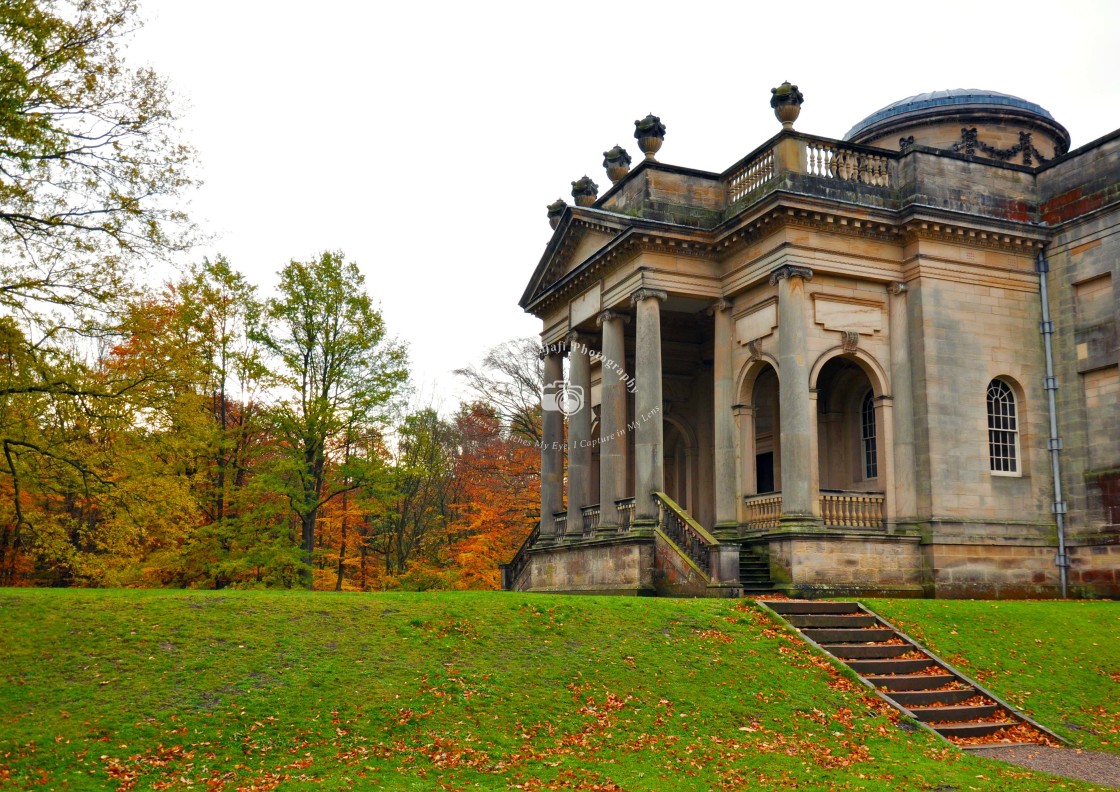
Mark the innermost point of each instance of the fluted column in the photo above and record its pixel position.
(612, 421)
(552, 441)
(727, 517)
(798, 423)
(902, 496)
(579, 430)
(649, 432)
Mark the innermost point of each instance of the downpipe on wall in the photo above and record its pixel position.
(1050, 384)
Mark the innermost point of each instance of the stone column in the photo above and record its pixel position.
(798, 423)
(612, 421)
(748, 482)
(579, 431)
(726, 491)
(649, 433)
(552, 460)
(902, 496)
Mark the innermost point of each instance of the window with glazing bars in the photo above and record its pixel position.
(1003, 428)
(867, 434)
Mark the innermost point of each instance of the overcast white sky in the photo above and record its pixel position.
(425, 139)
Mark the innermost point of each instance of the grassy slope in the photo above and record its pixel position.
(1057, 661)
(254, 690)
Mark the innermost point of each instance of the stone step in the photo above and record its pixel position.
(890, 665)
(956, 714)
(888, 684)
(858, 638)
(975, 729)
(867, 651)
(847, 635)
(926, 698)
(812, 606)
(831, 620)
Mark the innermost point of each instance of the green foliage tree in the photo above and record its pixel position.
(341, 369)
(89, 156)
(90, 166)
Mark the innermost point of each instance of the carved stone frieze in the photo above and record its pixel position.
(970, 142)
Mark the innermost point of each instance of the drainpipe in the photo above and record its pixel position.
(1042, 267)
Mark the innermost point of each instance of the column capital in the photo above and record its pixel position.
(579, 340)
(898, 287)
(608, 315)
(557, 348)
(646, 293)
(719, 306)
(790, 271)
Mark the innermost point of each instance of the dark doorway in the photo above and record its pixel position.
(764, 467)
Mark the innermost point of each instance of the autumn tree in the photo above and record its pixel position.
(90, 166)
(340, 367)
(497, 497)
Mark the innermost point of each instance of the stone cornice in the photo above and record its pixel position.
(635, 236)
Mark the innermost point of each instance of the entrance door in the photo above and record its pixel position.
(764, 472)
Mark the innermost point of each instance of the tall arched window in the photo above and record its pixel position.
(867, 437)
(1003, 429)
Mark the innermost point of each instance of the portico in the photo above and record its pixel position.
(769, 381)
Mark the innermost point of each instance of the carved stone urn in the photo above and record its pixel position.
(617, 163)
(555, 210)
(650, 134)
(786, 101)
(585, 191)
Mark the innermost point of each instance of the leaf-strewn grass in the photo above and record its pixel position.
(1059, 662)
(263, 690)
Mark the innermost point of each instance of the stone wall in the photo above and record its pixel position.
(987, 571)
(1094, 570)
(846, 565)
(674, 574)
(617, 566)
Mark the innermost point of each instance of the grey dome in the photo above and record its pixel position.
(956, 98)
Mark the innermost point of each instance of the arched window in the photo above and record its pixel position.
(867, 437)
(1003, 429)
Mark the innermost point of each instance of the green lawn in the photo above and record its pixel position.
(289, 690)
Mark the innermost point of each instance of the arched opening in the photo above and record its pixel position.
(680, 464)
(767, 432)
(848, 429)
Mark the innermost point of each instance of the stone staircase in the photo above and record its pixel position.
(908, 676)
(754, 568)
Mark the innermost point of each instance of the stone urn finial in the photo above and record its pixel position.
(617, 163)
(786, 101)
(555, 210)
(585, 191)
(650, 133)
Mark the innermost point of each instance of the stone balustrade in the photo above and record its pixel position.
(590, 515)
(796, 153)
(763, 511)
(852, 509)
(754, 173)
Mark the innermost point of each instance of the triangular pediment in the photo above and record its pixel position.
(575, 241)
